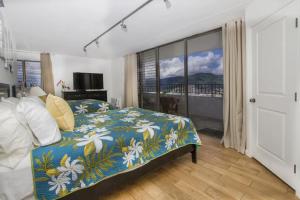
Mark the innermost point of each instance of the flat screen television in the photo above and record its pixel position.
(87, 81)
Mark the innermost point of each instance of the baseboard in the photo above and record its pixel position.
(248, 153)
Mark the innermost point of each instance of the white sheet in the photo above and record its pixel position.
(16, 184)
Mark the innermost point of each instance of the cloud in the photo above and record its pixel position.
(204, 62)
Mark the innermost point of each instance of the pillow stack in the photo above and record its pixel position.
(15, 138)
(40, 121)
(31, 121)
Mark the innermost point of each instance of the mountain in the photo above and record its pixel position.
(200, 78)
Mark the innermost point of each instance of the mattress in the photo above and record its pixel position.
(16, 184)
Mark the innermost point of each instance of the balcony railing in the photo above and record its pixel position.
(214, 90)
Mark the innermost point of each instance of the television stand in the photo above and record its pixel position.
(84, 94)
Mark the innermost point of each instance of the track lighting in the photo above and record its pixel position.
(123, 26)
(97, 43)
(121, 23)
(168, 4)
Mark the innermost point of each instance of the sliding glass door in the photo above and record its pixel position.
(185, 78)
(205, 81)
(172, 79)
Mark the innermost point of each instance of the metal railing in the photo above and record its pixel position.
(193, 89)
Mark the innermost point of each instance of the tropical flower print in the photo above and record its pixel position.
(59, 184)
(197, 139)
(100, 119)
(128, 119)
(81, 109)
(72, 168)
(128, 159)
(143, 121)
(97, 150)
(135, 148)
(158, 114)
(134, 114)
(179, 120)
(103, 107)
(125, 110)
(147, 128)
(92, 115)
(93, 141)
(85, 128)
(171, 139)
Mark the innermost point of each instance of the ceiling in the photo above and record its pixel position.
(65, 26)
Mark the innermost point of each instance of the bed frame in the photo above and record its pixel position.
(111, 184)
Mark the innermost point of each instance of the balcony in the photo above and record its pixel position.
(205, 103)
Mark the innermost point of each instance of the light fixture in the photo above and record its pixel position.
(97, 43)
(121, 22)
(123, 26)
(168, 4)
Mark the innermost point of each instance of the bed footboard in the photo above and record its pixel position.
(112, 183)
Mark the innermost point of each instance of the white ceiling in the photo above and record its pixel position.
(65, 26)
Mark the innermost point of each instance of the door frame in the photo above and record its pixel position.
(249, 75)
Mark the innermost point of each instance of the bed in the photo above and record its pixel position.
(107, 148)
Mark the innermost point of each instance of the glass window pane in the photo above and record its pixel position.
(147, 80)
(205, 81)
(33, 73)
(20, 73)
(172, 86)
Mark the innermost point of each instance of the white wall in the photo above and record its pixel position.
(63, 67)
(118, 79)
(5, 75)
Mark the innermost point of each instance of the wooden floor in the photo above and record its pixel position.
(219, 174)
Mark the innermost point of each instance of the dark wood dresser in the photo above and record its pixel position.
(78, 95)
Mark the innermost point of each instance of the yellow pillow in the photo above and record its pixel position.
(43, 98)
(61, 112)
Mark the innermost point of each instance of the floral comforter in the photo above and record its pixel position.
(104, 145)
(89, 106)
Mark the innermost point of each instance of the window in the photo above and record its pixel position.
(185, 78)
(29, 73)
(147, 76)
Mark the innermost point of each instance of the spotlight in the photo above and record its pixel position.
(84, 49)
(123, 26)
(168, 4)
(97, 43)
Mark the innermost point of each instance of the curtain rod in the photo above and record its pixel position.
(116, 24)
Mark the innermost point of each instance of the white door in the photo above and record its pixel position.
(275, 47)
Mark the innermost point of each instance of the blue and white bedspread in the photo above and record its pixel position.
(104, 145)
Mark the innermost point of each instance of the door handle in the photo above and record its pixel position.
(252, 100)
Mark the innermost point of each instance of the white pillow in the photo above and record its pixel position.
(40, 121)
(15, 139)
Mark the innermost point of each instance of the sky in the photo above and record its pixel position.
(203, 61)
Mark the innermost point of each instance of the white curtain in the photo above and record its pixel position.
(131, 83)
(234, 84)
(47, 75)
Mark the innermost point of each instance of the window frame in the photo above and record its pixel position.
(157, 48)
(24, 69)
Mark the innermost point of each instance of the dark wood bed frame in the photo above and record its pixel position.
(111, 184)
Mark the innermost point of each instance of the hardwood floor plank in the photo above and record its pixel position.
(219, 174)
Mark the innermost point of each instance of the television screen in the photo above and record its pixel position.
(86, 81)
